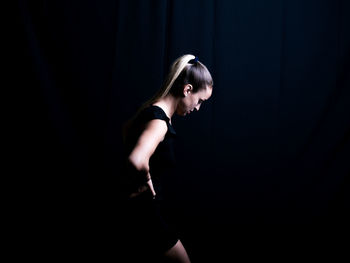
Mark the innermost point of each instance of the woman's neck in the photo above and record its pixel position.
(168, 104)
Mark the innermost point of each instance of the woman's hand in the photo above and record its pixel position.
(143, 188)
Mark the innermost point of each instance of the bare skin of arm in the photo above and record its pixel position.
(147, 143)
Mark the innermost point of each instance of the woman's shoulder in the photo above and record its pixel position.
(154, 112)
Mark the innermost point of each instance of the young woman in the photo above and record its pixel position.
(148, 140)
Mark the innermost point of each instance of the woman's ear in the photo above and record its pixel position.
(187, 89)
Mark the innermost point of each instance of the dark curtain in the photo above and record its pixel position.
(266, 157)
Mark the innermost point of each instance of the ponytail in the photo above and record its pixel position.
(175, 70)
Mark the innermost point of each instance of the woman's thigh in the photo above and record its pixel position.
(177, 254)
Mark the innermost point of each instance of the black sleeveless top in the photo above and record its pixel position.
(162, 162)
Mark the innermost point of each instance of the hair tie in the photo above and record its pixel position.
(193, 61)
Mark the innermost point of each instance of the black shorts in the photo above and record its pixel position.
(144, 230)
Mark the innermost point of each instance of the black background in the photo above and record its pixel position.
(263, 167)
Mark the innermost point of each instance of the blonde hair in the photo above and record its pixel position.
(181, 73)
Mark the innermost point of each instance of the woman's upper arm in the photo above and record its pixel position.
(147, 143)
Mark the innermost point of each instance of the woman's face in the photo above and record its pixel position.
(191, 100)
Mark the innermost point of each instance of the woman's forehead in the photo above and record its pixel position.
(205, 93)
